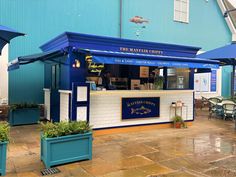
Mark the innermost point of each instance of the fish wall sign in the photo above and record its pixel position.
(138, 20)
(141, 107)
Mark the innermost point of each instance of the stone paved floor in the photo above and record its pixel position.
(205, 149)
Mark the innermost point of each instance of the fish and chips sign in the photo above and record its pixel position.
(141, 107)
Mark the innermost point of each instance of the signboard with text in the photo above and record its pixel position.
(144, 72)
(141, 107)
(213, 81)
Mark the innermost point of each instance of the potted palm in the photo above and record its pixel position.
(178, 122)
(23, 114)
(65, 142)
(4, 138)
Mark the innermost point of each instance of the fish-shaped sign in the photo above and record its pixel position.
(138, 20)
(141, 111)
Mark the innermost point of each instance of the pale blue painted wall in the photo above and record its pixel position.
(207, 28)
(43, 19)
(226, 80)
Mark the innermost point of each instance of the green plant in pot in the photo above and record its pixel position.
(23, 114)
(4, 139)
(65, 142)
(178, 122)
(159, 83)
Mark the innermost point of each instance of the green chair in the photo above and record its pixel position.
(229, 111)
(213, 108)
(204, 102)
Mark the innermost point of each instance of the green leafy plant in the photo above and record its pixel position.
(159, 82)
(4, 131)
(23, 105)
(51, 130)
(179, 119)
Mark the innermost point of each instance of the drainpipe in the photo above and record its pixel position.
(120, 30)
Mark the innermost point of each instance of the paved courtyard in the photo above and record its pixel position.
(208, 148)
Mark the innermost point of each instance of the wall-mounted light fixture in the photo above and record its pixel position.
(76, 64)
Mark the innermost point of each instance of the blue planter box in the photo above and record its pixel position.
(24, 116)
(3, 157)
(66, 149)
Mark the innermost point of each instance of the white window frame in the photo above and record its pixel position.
(176, 16)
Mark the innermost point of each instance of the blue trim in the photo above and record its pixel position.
(124, 55)
(124, 126)
(85, 41)
(148, 62)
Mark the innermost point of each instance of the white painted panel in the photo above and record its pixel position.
(209, 94)
(105, 107)
(64, 106)
(81, 113)
(82, 93)
(47, 103)
(4, 76)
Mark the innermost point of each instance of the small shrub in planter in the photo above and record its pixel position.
(65, 142)
(178, 122)
(23, 114)
(4, 138)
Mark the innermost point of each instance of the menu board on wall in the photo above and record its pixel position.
(201, 82)
(213, 80)
(144, 72)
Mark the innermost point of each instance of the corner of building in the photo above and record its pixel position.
(227, 19)
(4, 76)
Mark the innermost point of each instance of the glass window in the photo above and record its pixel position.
(55, 76)
(181, 11)
(178, 78)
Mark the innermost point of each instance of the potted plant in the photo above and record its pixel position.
(23, 114)
(178, 122)
(65, 142)
(4, 138)
(159, 83)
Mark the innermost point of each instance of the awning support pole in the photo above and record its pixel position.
(232, 82)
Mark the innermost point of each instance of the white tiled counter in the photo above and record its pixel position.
(105, 107)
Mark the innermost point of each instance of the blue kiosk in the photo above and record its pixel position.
(148, 80)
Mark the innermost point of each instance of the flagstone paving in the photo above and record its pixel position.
(208, 148)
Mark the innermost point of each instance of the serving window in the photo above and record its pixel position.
(178, 78)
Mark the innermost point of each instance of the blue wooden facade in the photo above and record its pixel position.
(61, 73)
(42, 20)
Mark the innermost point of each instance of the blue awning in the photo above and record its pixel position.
(225, 54)
(109, 57)
(15, 64)
(6, 34)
